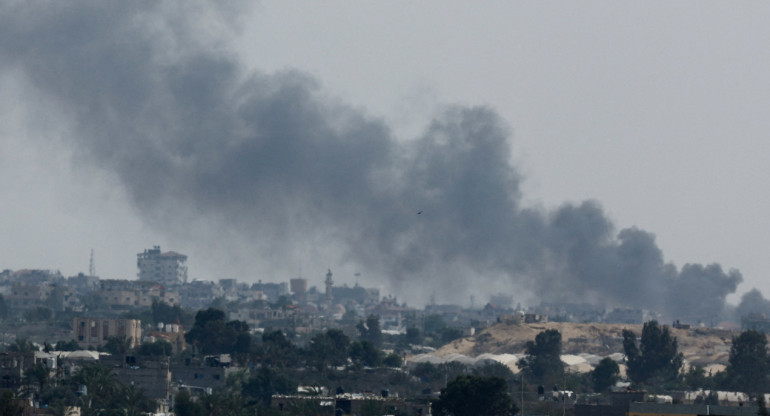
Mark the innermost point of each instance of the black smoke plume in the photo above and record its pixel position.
(159, 101)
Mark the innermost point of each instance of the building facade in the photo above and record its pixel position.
(90, 332)
(167, 268)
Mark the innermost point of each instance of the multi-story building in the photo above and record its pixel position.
(92, 333)
(121, 295)
(168, 268)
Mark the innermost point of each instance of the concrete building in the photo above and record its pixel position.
(665, 409)
(123, 295)
(90, 332)
(167, 268)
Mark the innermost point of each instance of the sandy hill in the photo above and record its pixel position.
(701, 346)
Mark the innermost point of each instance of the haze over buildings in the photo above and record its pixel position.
(265, 173)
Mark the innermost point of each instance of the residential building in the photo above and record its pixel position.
(167, 268)
(122, 295)
(92, 333)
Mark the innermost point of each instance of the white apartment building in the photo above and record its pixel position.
(166, 268)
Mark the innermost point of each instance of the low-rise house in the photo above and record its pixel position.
(122, 295)
(208, 373)
(93, 333)
(153, 376)
(667, 409)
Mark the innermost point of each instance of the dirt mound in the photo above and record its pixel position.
(701, 346)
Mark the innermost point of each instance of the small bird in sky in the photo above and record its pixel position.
(419, 212)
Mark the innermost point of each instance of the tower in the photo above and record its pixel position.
(329, 282)
(91, 265)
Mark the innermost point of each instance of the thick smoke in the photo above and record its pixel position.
(268, 157)
(752, 302)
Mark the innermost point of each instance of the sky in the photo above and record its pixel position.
(654, 112)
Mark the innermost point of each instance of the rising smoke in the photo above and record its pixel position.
(156, 99)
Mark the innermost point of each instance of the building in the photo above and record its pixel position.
(167, 268)
(123, 295)
(665, 409)
(92, 333)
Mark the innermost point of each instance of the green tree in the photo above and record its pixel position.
(23, 345)
(469, 395)
(749, 365)
(495, 369)
(364, 353)
(328, 348)
(605, 375)
(159, 348)
(9, 406)
(392, 360)
(413, 335)
(450, 334)
(117, 345)
(38, 375)
(695, 378)
(264, 383)
(542, 362)
(70, 345)
(370, 330)
(163, 312)
(211, 334)
(277, 351)
(5, 311)
(184, 405)
(657, 355)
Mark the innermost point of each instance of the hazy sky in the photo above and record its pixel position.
(657, 110)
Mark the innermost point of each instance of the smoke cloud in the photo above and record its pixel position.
(156, 98)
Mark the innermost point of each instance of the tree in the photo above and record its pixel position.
(261, 387)
(9, 405)
(450, 334)
(364, 353)
(370, 330)
(5, 311)
(749, 365)
(159, 348)
(469, 395)
(39, 375)
(70, 345)
(23, 345)
(495, 369)
(277, 350)
(695, 378)
(413, 335)
(605, 374)
(184, 405)
(543, 360)
(117, 345)
(657, 355)
(329, 348)
(212, 335)
(392, 360)
(163, 312)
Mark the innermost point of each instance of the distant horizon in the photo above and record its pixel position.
(611, 154)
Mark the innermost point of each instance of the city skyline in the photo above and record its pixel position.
(655, 111)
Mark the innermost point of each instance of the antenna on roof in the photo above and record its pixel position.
(91, 266)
